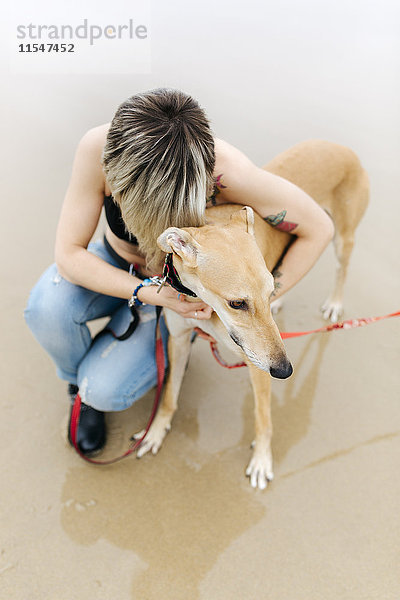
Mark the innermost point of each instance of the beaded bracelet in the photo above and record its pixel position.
(134, 300)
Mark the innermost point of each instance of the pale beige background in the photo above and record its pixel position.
(186, 524)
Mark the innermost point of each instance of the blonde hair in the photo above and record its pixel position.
(159, 161)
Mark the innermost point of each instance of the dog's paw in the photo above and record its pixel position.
(154, 438)
(332, 310)
(276, 306)
(260, 471)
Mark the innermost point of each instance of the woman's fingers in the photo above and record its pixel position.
(185, 307)
(195, 310)
(205, 313)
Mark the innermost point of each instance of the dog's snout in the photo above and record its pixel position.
(282, 371)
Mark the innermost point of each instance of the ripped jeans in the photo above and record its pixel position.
(111, 374)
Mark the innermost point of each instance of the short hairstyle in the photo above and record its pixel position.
(159, 161)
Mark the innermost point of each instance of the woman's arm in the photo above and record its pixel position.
(79, 218)
(78, 221)
(283, 205)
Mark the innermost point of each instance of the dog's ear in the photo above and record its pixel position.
(244, 218)
(181, 242)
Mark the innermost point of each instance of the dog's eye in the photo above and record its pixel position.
(238, 304)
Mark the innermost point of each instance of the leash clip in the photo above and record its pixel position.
(161, 282)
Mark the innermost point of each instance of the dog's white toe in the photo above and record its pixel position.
(332, 310)
(154, 438)
(260, 471)
(276, 306)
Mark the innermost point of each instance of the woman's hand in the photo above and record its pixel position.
(170, 298)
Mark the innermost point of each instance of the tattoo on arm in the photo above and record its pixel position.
(278, 221)
(218, 186)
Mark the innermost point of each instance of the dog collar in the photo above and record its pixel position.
(170, 275)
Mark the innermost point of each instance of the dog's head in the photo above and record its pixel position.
(223, 265)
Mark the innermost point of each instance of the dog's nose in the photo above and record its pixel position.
(282, 371)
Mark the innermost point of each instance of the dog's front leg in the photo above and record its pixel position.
(178, 355)
(259, 469)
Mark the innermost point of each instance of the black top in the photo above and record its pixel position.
(115, 221)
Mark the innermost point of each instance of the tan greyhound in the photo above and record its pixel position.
(228, 264)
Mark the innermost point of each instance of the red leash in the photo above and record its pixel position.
(76, 410)
(349, 324)
(215, 352)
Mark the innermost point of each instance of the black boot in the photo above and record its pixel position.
(91, 435)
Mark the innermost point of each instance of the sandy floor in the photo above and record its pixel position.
(186, 524)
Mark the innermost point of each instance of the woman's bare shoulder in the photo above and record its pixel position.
(220, 147)
(227, 157)
(95, 138)
(90, 150)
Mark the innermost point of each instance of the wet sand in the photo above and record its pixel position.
(186, 524)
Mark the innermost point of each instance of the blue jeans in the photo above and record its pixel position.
(111, 374)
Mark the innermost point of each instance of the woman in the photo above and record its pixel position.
(156, 164)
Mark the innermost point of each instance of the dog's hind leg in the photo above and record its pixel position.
(259, 469)
(332, 308)
(348, 203)
(178, 354)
